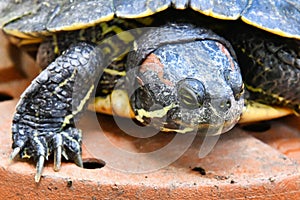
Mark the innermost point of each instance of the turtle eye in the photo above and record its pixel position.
(234, 80)
(191, 93)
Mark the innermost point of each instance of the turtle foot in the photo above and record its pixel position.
(40, 145)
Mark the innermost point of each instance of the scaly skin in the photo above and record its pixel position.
(270, 67)
(45, 116)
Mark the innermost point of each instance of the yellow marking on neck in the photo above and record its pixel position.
(275, 96)
(81, 35)
(145, 20)
(114, 72)
(151, 114)
(125, 36)
(55, 43)
(182, 131)
(115, 29)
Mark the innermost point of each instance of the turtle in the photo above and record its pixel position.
(179, 65)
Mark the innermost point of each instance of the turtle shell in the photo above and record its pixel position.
(33, 18)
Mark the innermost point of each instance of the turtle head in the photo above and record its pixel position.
(192, 86)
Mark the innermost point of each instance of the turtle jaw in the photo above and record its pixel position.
(207, 128)
(207, 120)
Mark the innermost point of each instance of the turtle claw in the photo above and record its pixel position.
(57, 158)
(78, 160)
(39, 168)
(14, 153)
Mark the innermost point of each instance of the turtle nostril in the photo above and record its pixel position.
(225, 105)
(228, 104)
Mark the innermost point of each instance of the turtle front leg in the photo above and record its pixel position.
(44, 122)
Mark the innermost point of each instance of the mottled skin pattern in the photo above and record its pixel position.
(217, 104)
(189, 56)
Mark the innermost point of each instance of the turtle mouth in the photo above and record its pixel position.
(202, 128)
(203, 121)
